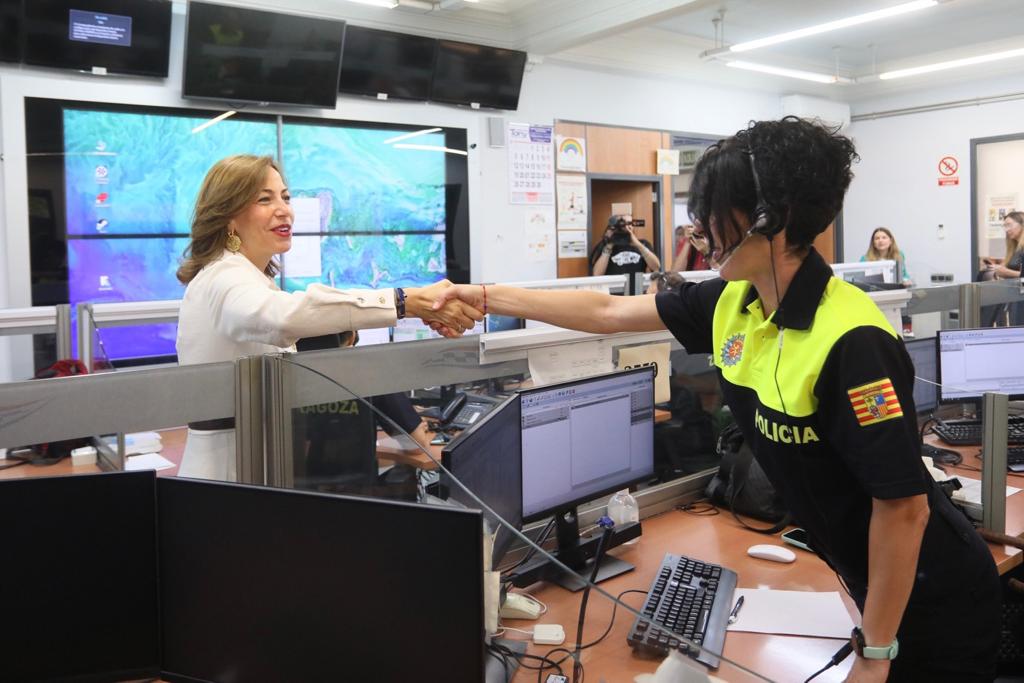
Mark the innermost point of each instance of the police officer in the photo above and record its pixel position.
(822, 387)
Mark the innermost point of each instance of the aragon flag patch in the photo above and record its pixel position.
(875, 402)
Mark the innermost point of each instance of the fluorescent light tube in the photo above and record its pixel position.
(432, 148)
(414, 134)
(789, 73)
(390, 4)
(952, 64)
(215, 119)
(834, 25)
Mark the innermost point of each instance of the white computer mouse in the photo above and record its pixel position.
(775, 553)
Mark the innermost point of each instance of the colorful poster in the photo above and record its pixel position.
(998, 206)
(539, 231)
(531, 170)
(572, 201)
(668, 162)
(572, 153)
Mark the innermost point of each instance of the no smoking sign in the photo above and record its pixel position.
(948, 166)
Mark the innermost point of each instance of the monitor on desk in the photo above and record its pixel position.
(80, 591)
(584, 439)
(261, 584)
(922, 354)
(487, 460)
(973, 362)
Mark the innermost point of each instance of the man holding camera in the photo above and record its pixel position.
(621, 251)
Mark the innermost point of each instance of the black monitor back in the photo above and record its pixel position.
(261, 584)
(487, 459)
(78, 581)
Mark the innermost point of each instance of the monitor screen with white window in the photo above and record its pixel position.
(586, 438)
(976, 361)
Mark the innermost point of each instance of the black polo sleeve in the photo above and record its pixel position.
(866, 406)
(688, 314)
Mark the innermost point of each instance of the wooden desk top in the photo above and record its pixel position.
(717, 539)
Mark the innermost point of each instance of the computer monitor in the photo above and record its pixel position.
(487, 460)
(79, 576)
(922, 353)
(581, 440)
(975, 361)
(262, 584)
(502, 323)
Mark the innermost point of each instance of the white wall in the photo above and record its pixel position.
(896, 182)
(550, 91)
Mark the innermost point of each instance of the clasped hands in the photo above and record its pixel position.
(441, 309)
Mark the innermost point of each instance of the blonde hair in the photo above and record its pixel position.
(892, 253)
(1015, 245)
(229, 186)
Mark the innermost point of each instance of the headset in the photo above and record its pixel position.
(764, 220)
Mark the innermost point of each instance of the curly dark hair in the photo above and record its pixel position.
(804, 169)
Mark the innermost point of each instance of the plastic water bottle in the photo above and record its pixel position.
(623, 509)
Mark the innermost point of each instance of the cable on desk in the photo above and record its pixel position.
(700, 508)
(543, 536)
(612, 622)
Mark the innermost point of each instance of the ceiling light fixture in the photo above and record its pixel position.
(433, 148)
(406, 136)
(835, 25)
(789, 73)
(216, 119)
(952, 64)
(390, 4)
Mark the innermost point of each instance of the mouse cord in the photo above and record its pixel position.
(841, 654)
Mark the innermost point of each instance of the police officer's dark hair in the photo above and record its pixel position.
(804, 169)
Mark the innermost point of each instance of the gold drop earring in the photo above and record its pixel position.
(234, 242)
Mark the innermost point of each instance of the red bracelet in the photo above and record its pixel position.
(484, 287)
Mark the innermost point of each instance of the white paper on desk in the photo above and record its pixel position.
(147, 461)
(570, 361)
(970, 491)
(793, 613)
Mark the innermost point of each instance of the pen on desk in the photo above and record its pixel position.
(735, 613)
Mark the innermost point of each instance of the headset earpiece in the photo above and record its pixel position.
(763, 219)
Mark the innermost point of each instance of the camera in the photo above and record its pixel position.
(620, 235)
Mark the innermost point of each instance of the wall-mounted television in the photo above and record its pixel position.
(120, 36)
(399, 65)
(10, 30)
(244, 55)
(477, 74)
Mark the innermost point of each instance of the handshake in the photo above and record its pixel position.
(448, 309)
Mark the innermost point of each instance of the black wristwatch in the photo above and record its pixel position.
(863, 650)
(400, 302)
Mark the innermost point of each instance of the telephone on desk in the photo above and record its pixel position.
(463, 411)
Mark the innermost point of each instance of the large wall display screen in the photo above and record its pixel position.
(380, 210)
(112, 189)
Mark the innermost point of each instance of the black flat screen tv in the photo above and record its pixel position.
(245, 55)
(477, 74)
(10, 30)
(120, 36)
(396, 64)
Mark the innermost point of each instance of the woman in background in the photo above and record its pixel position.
(1010, 267)
(233, 308)
(882, 247)
(693, 253)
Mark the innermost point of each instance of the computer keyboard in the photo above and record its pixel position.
(968, 432)
(689, 598)
(1014, 457)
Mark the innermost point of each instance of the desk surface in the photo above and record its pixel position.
(721, 540)
(718, 539)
